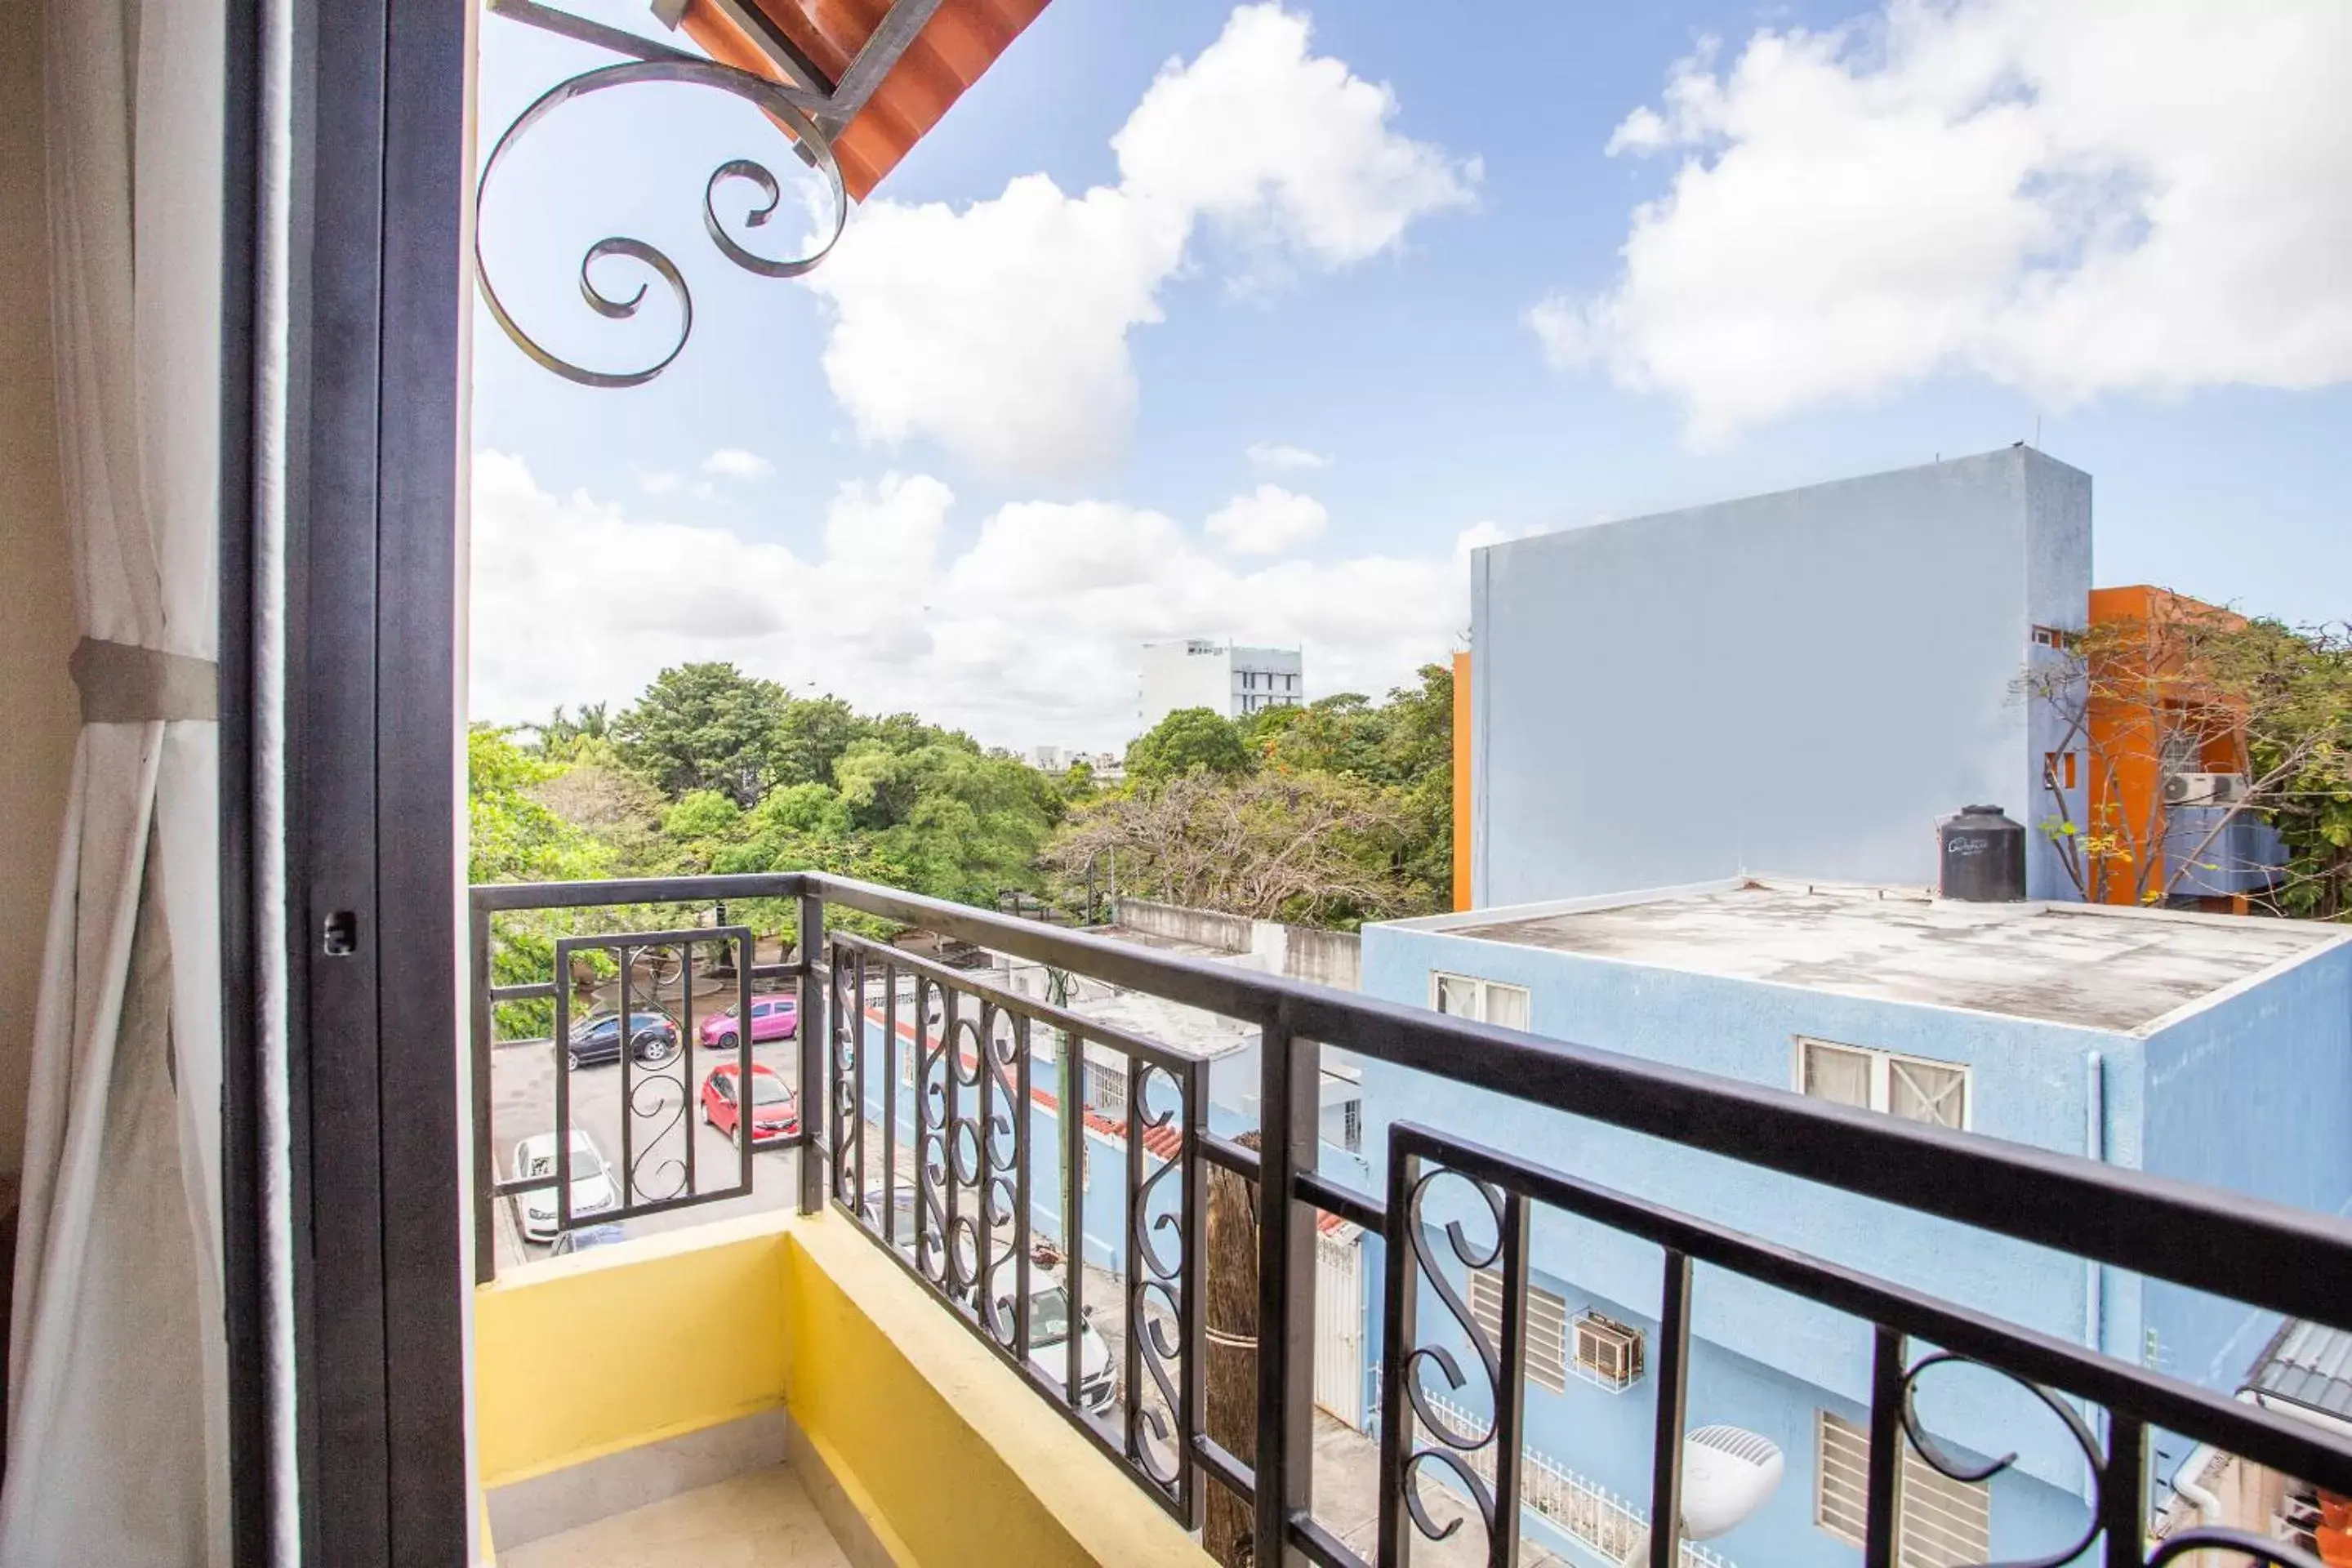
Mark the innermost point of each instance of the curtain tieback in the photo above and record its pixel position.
(123, 683)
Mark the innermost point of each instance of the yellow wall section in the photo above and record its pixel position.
(950, 1448)
(948, 1454)
(585, 1356)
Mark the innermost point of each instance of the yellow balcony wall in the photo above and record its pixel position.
(943, 1454)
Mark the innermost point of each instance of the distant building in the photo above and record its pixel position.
(1226, 678)
(1108, 767)
(2203, 1048)
(1794, 684)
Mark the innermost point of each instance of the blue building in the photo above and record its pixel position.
(2212, 1049)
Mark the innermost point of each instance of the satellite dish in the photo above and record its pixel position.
(1729, 1472)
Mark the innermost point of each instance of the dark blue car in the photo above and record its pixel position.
(597, 1039)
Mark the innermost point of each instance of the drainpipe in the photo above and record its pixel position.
(2094, 1144)
(2188, 1481)
(2186, 1486)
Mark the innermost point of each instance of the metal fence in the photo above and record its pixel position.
(944, 1064)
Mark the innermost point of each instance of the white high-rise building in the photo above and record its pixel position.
(1232, 679)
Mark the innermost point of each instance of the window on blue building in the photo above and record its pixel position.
(1939, 1522)
(1547, 1327)
(1487, 1001)
(1914, 1088)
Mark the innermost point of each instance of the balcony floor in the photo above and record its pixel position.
(759, 1520)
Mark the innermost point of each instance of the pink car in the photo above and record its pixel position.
(772, 1018)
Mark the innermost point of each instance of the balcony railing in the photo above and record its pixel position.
(895, 1051)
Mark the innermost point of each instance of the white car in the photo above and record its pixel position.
(593, 1190)
(1049, 1336)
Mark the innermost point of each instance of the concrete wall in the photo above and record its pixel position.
(1302, 952)
(1206, 928)
(2031, 1083)
(1332, 958)
(1797, 683)
(39, 714)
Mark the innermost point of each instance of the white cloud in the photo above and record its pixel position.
(735, 463)
(1028, 633)
(2068, 199)
(658, 483)
(1267, 521)
(1284, 149)
(999, 328)
(1274, 458)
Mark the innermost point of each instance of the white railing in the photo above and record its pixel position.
(1584, 1510)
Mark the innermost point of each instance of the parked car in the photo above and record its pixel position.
(903, 1201)
(772, 1018)
(1049, 1335)
(775, 1109)
(585, 1237)
(592, 1190)
(597, 1039)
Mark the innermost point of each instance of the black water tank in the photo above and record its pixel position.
(1982, 855)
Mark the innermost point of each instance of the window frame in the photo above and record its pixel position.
(1914, 1471)
(1882, 1064)
(1483, 993)
(1549, 1327)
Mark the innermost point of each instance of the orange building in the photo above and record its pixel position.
(2146, 718)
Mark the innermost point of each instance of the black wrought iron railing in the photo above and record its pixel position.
(925, 1092)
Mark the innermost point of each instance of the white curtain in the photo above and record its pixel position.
(117, 1396)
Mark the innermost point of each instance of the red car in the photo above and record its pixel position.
(775, 1109)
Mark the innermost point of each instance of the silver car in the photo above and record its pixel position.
(593, 1189)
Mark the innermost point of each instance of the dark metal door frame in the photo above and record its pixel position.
(373, 388)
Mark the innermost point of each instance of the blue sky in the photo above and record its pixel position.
(1871, 239)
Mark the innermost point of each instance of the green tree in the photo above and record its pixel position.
(810, 737)
(1187, 738)
(513, 838)
(2294, 685)
(561, 734)
(704, 726)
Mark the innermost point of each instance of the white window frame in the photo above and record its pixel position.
(1883, 1065)
(1939, 1522)
(1103, 1087)
(1482, 994)
(1550, 1354)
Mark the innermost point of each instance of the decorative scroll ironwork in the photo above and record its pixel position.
(657, 63)
(1161, 1300)
(1454, 1450)
(844, 1022)
(934, 1108)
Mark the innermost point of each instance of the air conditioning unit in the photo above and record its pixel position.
(2204, 789)
(1609, 1349)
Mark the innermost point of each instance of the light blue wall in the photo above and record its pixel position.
(2253, 1093)
(1798, 683)
(2031, 1083)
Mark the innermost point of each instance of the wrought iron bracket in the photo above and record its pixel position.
(809, 109)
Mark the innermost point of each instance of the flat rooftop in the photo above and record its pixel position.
(2092, 966)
